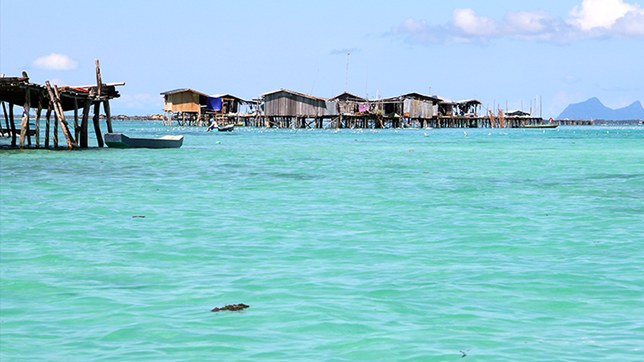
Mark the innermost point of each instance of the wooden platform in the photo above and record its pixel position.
(18, 91)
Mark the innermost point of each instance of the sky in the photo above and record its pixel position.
(506, 53)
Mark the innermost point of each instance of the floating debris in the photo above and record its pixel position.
(232, 307)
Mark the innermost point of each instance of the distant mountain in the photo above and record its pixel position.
(594, 109)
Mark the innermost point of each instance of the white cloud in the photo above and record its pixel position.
(471, 24)
(591, 19)
(55, 61)
(527, 22)
(599, 13)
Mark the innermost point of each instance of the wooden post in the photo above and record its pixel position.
(97, 126)
(99, 83)
(48, 117)
(77, 129)
(38, 111)
(13, 125)
(55, 133)
(84, 124)
(108, 116)
(63, 123)
(54, 99)
(24, 125)
(6, 117)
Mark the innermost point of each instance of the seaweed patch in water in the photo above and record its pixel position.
(232, 307)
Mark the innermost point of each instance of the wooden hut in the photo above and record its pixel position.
(282, 107)
(349, 104)
(185, 106)
(468, 107)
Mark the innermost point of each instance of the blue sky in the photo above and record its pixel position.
(500, 52)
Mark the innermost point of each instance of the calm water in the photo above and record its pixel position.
(408, 245)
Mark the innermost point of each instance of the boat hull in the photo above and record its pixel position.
(226, 128)
(540, 126)
(119, 140)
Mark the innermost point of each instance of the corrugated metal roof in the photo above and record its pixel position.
(469, 101)
(292, 92)
(228, 95)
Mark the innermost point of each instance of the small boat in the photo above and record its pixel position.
(119, 140)
(540, 126)
(226, 128)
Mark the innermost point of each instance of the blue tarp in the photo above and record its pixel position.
(214, 104)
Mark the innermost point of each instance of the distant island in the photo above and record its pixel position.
(594, 109)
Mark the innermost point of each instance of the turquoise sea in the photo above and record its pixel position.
(355, 245)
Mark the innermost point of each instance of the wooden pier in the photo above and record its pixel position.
(18, 91)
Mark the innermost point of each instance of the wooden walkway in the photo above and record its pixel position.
(379, 121)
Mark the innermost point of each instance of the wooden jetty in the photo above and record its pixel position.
(55, 100)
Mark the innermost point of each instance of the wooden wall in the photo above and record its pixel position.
(182, 102)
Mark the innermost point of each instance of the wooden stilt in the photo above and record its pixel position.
(97, 125)
(99, 82)
(38, 111)
(6, 117)
(55, 133)
(108, 115)
(24, 125)
(13, 125)
(47, 117)
(84, 124)
(77, 129)
(54, 99)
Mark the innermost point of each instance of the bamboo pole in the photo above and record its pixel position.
(24, 125)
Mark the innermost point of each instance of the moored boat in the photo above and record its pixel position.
(226, 128)
(119, 140)
(540, 126)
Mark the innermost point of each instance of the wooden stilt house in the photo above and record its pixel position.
(184, 106)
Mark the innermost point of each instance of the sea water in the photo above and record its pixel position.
(348, 245)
